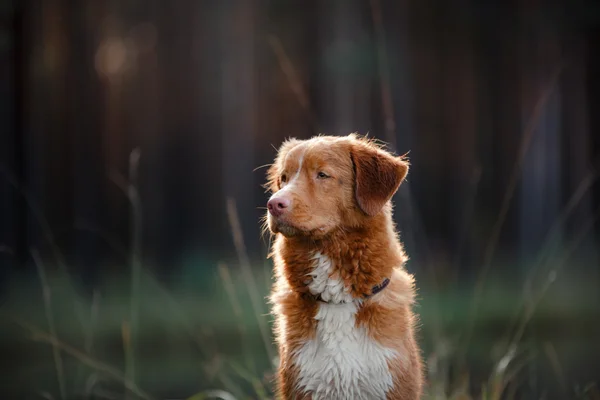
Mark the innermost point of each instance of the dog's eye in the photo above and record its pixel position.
(322, 175)
(284, 178)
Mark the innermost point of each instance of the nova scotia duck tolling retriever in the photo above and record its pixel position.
(342, 299)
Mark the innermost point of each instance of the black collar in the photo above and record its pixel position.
(376, 289)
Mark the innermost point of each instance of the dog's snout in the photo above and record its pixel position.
(278, 205)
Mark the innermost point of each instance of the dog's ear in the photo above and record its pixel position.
(377, 175)
(274, 171)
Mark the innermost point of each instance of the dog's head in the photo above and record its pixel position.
(329, 183)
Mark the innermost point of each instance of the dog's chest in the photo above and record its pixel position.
(341, 361)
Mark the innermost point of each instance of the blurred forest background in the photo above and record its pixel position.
(131, 261)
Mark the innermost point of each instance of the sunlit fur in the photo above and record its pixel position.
(337, 240)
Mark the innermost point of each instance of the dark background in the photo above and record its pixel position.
(497, 102)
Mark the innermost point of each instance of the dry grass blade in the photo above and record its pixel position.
(47, 294)
(240, 248)
(292, 77)
(230, 289)
(230, 384)
(136, 264)
(40, 335)
(39, 217)
(175, 306)
(548, 245)
(508, 377)
(132, 193)
(90, 382)
(530, 310)
(258, 386)
(556, 367)
(582, 189)
(237, 309)
(490, 249)
(127, 350)
(590, 392)
(89, 337)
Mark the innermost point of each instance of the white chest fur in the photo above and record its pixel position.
(341, 361)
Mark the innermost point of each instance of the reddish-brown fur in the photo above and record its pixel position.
(346, 216)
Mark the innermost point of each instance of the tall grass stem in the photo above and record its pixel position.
(238, 240)
(47, 294)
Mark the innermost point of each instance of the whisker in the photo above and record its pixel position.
(262, 166)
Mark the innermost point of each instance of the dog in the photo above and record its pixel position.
(342, 300)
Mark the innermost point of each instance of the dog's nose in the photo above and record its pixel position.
(278, 205)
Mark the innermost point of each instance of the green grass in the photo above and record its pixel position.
(196, 342)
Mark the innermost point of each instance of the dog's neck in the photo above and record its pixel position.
(362, 258)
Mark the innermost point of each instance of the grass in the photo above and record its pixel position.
(203, 343)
